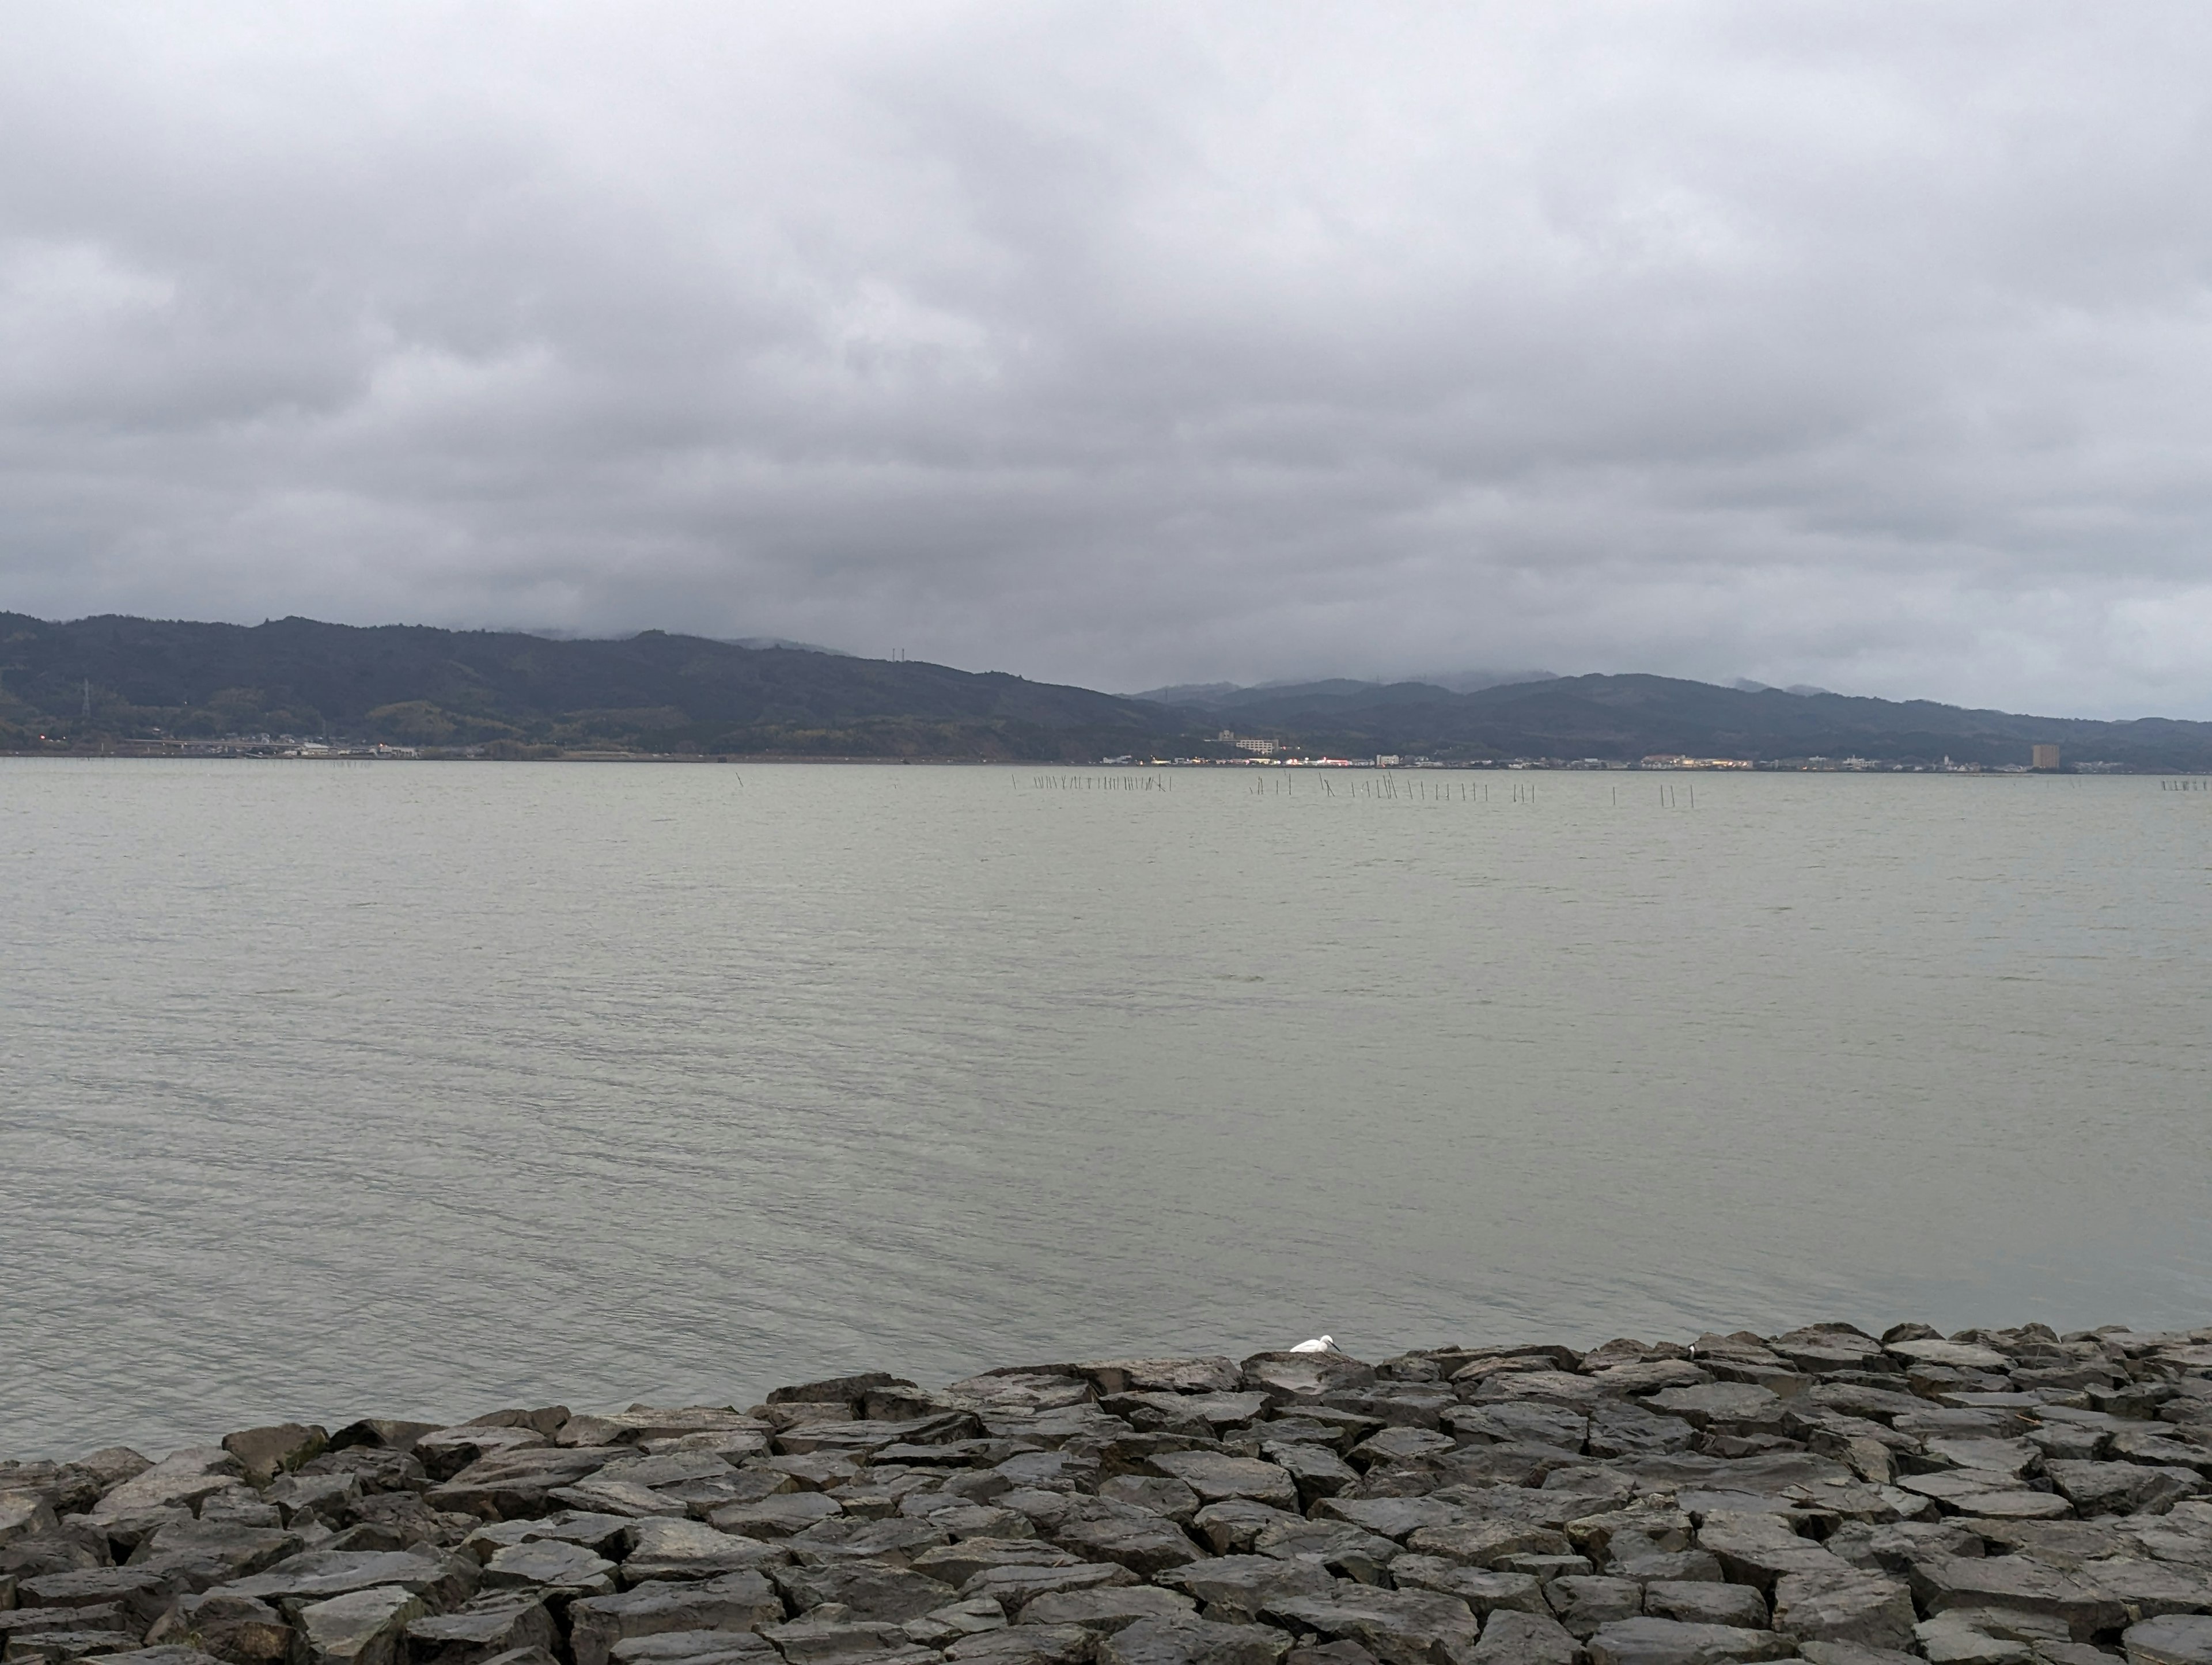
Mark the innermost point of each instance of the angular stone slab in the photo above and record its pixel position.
(735, 1602)
(361, 1627)
(1162, 1642)
(1669, 1642)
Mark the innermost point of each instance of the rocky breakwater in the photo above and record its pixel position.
(1995, 1498)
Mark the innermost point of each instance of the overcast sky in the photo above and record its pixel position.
(1861, 345)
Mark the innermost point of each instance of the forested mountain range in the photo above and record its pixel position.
(511, 693)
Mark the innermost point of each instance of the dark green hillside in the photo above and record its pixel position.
(1630, 717)
(515, 694)
(412, 685)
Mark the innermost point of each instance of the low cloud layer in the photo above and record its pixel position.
(1866, 347)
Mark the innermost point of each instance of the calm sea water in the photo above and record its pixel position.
(421, 1089)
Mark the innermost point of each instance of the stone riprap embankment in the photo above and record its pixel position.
(1997, 1498)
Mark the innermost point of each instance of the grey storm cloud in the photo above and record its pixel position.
(1868, 346)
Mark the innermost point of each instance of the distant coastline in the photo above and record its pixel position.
(116, 686)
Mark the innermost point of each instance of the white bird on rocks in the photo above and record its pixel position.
(1319, 1344)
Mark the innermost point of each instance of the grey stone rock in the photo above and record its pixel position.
(2014, 1582)
(2148, 1589)
(2122, 1488)
(735, 1602)
(1241, 1587)
(1107, 1610)
(1545, 1568)
(236, 1506)
(1314, 1469)
(1758, 1549)
(850, 1390)
(197, 1554)
(818, 1637)
(1207, 1413)
(512, 1484)
(1518, 1423)
(1214, 1476)
(239, 1628)
(1697, 1603)
(1625, 1534)
(141, 1594)
(2158, 1448)
(182, 1479)
(666, 1549)
(1155, 1494)
(604, 1494)
(1014, 1586)
(1145, 1544)
(1618, 1430)
(24, 1515)
(2071, 1653)
(1387, 1517)
(2012, 1458)
(59, 1647)
(1851, 1653)
(870, 1591)
(643, 1423)
(266, 1452)
(444, 1452)
(778, 1516)
(1485, 1593)
(1399, 1627)
(956, 1563)
(374, 1469)
(1865, 1607)
(1343, 1549)
(168, 1654)
(443, 1581)
(1732, 1405)
(1487, 1543)
(1957, 1355)
(1232, 1527)
(1027, 1644)
(1670, 1642)
(1295, 1378)
(897, 1540)
(1208, 1374)
(1985, 1637)
(607, 1534)
(691, 1648)
(1686, 1566)
(1510, 1636)
(940, 1627)
(2171, 1639)
(1584, 1604)
(1329, 1653)
(1401, 1444)
(26, 1621)
(361, 1627)
(481, 1629)
(1892, 1547)
(549, 1563)
(1174, 1642)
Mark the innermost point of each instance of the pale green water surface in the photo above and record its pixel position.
(422, 1089)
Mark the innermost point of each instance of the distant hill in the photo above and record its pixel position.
(1634, 716)
(1233, 696)
(409, 684)
(513, 693)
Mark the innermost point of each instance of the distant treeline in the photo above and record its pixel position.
(90, 683)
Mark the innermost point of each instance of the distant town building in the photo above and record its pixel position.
(2045, 757)
(1258, 748)
(1386, 760)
